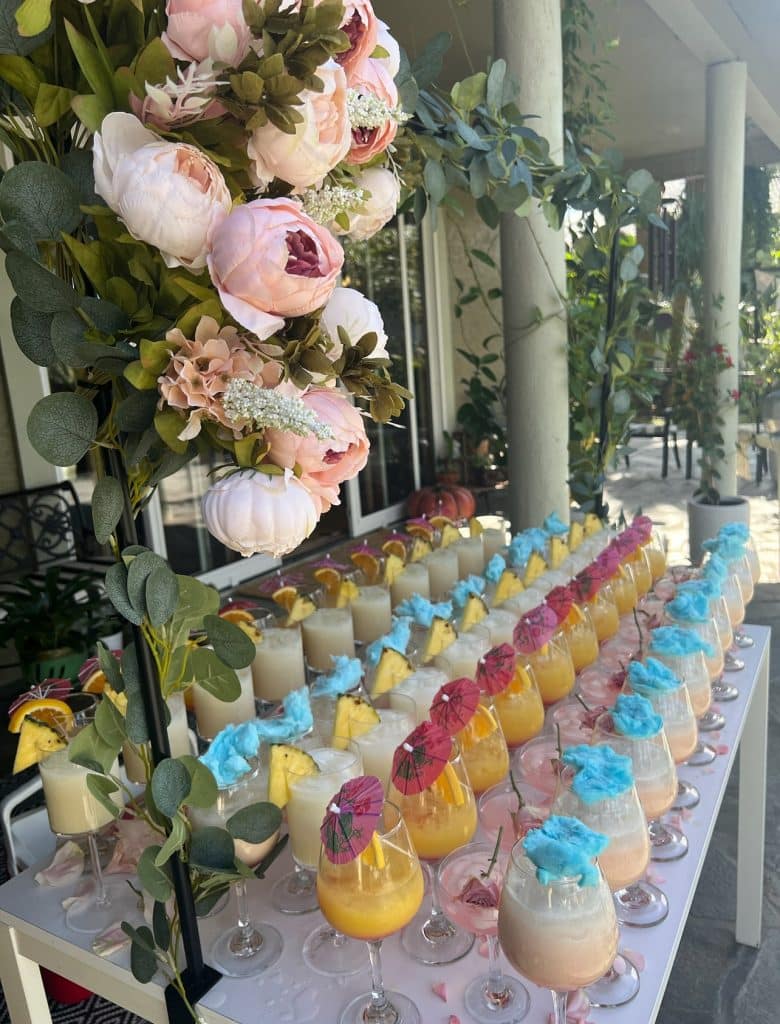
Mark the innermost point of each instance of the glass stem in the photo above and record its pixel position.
(378, 998)
(436, 910)
(560, 1000)
(244, 924)
(496, 986)
(101, 896)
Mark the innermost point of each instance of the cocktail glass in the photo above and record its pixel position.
(327, 633)
(643, 574)
(642, 904)
(538, 763)
(623, 863)
(560, 936)
(484, 749)
(519, 706)
(250, 947)
(278, 667)
(553, 669)
(582, 639)
(440, 819)
(213, 714)
(656, 553)
(492, 998)
(420, 687)
(461, 658)
(372, 615)
(753, 560)
(708, 631)
(378, 745)
(295, 892)
(74, 811)
(735, 609)
(499, 808)
(442, 567)
(368, 902)
(624, 589)
(604, 612)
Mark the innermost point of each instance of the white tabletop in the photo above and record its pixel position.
(32, 929)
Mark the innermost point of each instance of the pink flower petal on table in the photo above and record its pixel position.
(686, 814)
(675, 819)
(452, 1019)
(482, 949)
(110, 941)
(82, 895)
(716, 708)
(66, 868)
(654, 877)
(133, 836)
(440, 990)
(619, 965)
(636, 958)
(577, 1009)
(722, 748)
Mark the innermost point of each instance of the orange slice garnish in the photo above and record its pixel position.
(48, 710)
(368, 564)
(285, 597)
(330, 578)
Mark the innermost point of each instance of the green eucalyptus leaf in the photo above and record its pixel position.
(32, 331)
(136, 412)
(102, 789)
(155, 880)
(196, 601)
(216, 678)
(175, 841)
(160, 926)
(135, 718)
(203, 785)
(138, 573)
(170, 785)
(37, 287)
(107, 507)
(110, 724)
(62, 427)
(89, 750)
(212, 848)
(230, 643)
(116, 588)
(110, 667)
(639, 181)
(162, 595)
(41, 197)
(255, 823)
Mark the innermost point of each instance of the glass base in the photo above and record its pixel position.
(400, 1010)
(724, 692)
(88, 917)
(511, 1008)
(711, 721)
(239, 958)
(666, 842)
(615, 988)
(687, 797)
(328, 952)
(435, 940)
(742, 640)
(295, 893)
(732, 663)
(641, 905)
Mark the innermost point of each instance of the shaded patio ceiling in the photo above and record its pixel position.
(657, 74)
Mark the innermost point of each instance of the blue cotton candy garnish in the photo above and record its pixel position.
(295, 720)
(494, 570)
(652, 677)
(538, 539)
(554, 526)
(397, 640)
(677, 642)
(706, 585)
(228, 753)
(422, 611)
(345, 676)
(715, 568)
(689, 607)
(463, 590)
(633, 716)
(740, 531)
(564, 848)
(600, 772)
(520, 549)
(730, 549)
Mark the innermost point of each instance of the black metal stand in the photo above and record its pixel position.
(198, 977)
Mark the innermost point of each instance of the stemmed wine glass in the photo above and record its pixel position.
(541, 928)
(470, 879)
(745, 574)
(250, 947)
(371, 897)
(73, 811)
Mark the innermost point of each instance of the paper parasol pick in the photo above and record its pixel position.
(497, 669)
(644, 527)
(421, 758)
(535, 629)
(329, 563)
(455, 704)
(560, 599)
(587, 583)
(52, 689)
(351, 819)
(89, 668)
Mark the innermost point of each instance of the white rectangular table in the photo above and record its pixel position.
(32, 930)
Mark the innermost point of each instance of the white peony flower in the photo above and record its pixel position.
(382, 192)
(392, 62)
(167, 194)
(358, 315)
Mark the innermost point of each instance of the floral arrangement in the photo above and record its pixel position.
(194, 171)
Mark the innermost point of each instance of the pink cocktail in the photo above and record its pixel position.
(500, 807)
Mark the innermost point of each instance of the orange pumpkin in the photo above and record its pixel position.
(454, 501)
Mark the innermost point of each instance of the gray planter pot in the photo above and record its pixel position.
(704, 521)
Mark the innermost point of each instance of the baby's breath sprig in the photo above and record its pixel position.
(265, 407)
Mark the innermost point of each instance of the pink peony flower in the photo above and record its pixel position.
(201, 369)
(182, 102)
(253, 513)
(374, 99)
(269, 260)
(318, 144)
(383, 197)
(198, 29)
(362, 28)
(166, 193)
(324, 465)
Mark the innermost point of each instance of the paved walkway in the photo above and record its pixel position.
(715, 981)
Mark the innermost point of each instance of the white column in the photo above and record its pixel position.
(726, 88)
(528, 37)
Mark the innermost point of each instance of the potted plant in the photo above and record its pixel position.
(448, 469)
(47, 619)
(699, 402)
